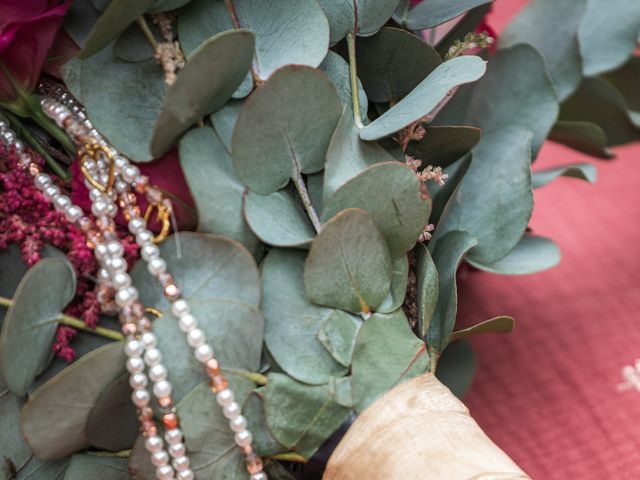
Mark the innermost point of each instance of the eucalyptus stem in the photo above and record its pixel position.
(434, 356)
(75, 323)
(52, 129)
(288, 457)
(144, 26)
(33, 141)
(231, 8)
(256, 378)
(353, 75)
(306, 200)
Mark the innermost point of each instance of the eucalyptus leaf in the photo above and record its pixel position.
(133, 46)
(445, 193)
(371, 16)
(426, 96)
(68, 398)
(218, 194)
(386, 353)
(585, 137)
(626, 81)
(400, 210)
(457, 367)
(271, 141)
(337, 70)
(582, 171)
(496, 216)
(393, 62)
(608, 34)
(263, 441)
(36, 469)
(113, 422)
(302, 416)
(338, 335)
(168, 5)
(431, 13)
(84, 466)
(443, 145)
(557, 40)
(292, 320)
(15, 452)
(79, 21)
(532, 254)
(30, 324)
(279, 219)
(196, 92)
(349, 265)
(122, 105)
(348, 155)
(428, 288)
(447, 255)
(224, 121)
(399, 280)
(114, 20)
(468, 23)
(501, 324)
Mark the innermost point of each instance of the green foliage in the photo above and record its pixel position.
(431, 13)
(83, 466)
(530, 255)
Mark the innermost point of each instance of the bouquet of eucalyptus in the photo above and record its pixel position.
(331, 163)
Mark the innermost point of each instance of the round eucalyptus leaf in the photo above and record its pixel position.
(77, 386)
(400, 210)
(79, 21)
(263, 440)
(532, 254)
(196, 92)
(30, 325)
(271, 141)
(133, 46)
(348, 155)
(457, 367)
(224, 121)
(500, 324)
(425, 96)
(349, 265)
(167, 5)
(447, 255)
(292, 320)
(218, 194)
(585, 137)
(279, 219)
(399, 279)
(557, 41)
(113, 422)
(428, 287)
(301, 416)
(443, 145)
(123, 104)
(371, 15)
(626, 79)
(338, 72)
(84, 466)
(36, 469)
(393, 62)
(15, 452)
(114, 20)
(431, 13)
(386, 353)
(338, 335)
(582, 171)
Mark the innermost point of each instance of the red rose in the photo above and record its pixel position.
(27, 31)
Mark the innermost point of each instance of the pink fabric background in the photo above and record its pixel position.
(547, 393)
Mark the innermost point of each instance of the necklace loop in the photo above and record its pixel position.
(163, 215)
(93, 151)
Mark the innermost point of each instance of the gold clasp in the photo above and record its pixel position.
(92, 151)
(163, 216)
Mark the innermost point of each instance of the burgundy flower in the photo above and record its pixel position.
(27, 31)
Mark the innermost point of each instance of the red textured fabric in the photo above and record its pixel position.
(547, 393)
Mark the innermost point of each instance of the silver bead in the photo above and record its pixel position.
(224, 397)
(115, 248)
(8, 137)
(140, 398)
(130, 172)
(177, 449)
(180, 463)
(187, 323)
(149, 340)
(243, 438)
(121, 280)
(157, 373)
(135, 365)
(259, 476)
(195, 338)
(73, 213)
(138, 381)
(180, 307)
(203, 353)
(152, 357)
(165, 472)
(157, 266)
(18, 145)
(186, 475)
(159, 458)
(232, 410)
(136, 225)
(133, 348)
(126, 297)
(153, 443)
(238, 423)
(173, 436)
(42, 181)
(149, 252)
(162, 389)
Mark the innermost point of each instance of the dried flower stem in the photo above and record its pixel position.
(144, 26)
(75, 323)
(306, 200)
(288, 457)
(256, 378)
(353, 76)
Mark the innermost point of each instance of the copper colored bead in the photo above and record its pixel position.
(145, 324)
(34, 169)
(254, 464)
(218, 383)
(129, 328)
(85, 224)
(67, 121)
(165, 402)
(148, 427)
(141, 184)
(213, 368)
(154, 195)
(247, 449)
(172, 292)
(170, 420)
(137, 309)
(145, 413)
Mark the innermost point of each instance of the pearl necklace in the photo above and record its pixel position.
(110, 176)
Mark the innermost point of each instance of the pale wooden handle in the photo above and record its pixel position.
(419, 430)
